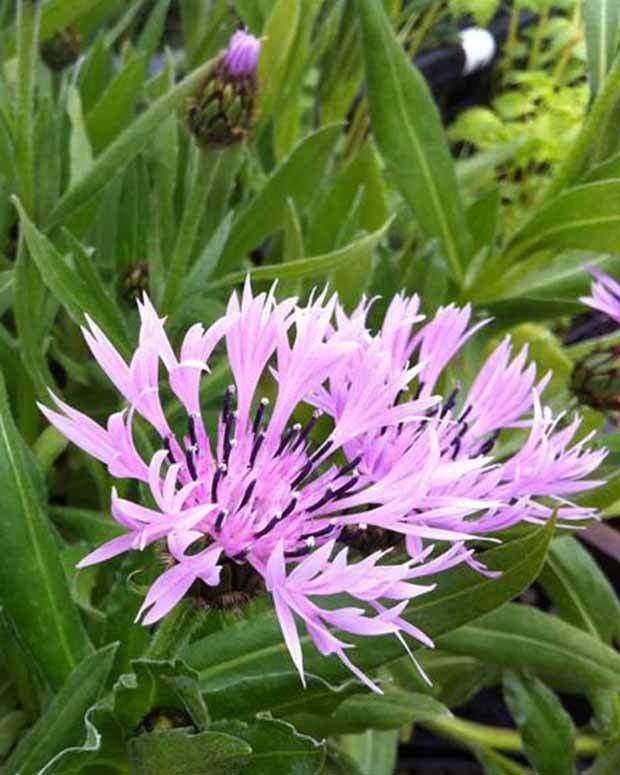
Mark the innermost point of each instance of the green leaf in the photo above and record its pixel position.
(546, 728)
(33, 588)
(276, 747)
(61, 724)
(178, 752)
(337, 762)
(308, 267)
(28, 21)
(606, 170)
(80, 150)
(114, 110)
(410, 137)
(11, 725)
(125, 147)
(585, 217)
(602, 21)
(242, 697)
(374, 752)
(392, 710)
(525, 638)
(298, 177)
(580, 590)
(256, 646)
(96, 527)
(274, 65)
(79, 292)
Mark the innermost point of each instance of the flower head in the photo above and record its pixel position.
(353, 449)
(222, 111)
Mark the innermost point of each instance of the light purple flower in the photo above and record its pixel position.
(260, 493)
(605, 294)
(242, 54)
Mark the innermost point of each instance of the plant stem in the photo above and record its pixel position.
(206, 169)
(574, 162)
(472, 733)
(175, 630)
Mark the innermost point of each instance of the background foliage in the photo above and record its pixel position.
(349, 177)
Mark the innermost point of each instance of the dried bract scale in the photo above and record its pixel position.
(222, 111)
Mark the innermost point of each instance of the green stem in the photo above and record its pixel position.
(539, 35)
(192, 214)
(574, 162)
(472, 733)
(28, 18)
(175, 630)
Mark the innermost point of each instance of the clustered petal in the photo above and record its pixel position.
(353, 457)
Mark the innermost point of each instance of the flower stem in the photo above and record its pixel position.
(195, 203)
(175, 630)
(472, 733)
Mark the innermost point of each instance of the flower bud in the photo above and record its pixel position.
(62, 49)
(222, 111)
(596, 379)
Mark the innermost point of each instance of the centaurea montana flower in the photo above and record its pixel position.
(524, 485)
(261, 498)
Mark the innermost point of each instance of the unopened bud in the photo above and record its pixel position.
(62, 49)
(222, 111)
(595, 379)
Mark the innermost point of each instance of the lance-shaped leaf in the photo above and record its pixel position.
(33, 587)
(411, 139)
(254, 647)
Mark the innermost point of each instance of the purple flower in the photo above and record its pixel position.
(261, 499)
(605, 294)
(242, 54)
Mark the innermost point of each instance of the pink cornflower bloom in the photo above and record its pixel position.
(258, 497)
(523, 485)
(605, 294)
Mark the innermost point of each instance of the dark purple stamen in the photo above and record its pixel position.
(291, 506)
(302, 475)
(319, 533)
(168, 446)
(298, 552)
(339, 493)
(465, 413)
(349, 467)
(247, 494)
(306, 430)
(191, 465)
(219, 520)
(321, 451)
(418, 391)
(288, 435)
(230, 392)
(450, 402)
(329, 494)
(264, 402)
(269, 526)
(258, 442)
(191, 422)
(457, 447)
(221, 470)
(488, 444)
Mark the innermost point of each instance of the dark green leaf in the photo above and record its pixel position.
(179, 753)
(580, 590)
(523, 637)
(62, 723)
(602, 20)
(410, 137)
(276, 748)
(546, 728)
(585, 217)
(33, 588)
